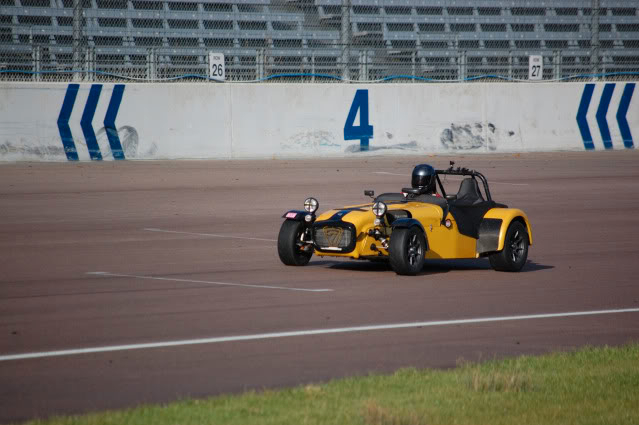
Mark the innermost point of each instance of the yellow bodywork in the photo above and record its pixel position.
(443, 242)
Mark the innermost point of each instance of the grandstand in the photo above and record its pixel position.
(450, 40)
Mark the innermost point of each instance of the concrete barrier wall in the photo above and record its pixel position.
(58, 122)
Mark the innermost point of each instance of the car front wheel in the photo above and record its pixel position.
(406, 251)
(293, 251)
(513, 257)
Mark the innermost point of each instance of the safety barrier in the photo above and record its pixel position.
(91, 121)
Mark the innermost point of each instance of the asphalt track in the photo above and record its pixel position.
(104, 255)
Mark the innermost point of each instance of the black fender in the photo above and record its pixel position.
(405, 223)
(296, 215)
(488, 240)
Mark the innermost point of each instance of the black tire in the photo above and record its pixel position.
(288, 244)
(406, 251)
(513, 257)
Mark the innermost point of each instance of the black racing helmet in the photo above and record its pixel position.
(423, 178)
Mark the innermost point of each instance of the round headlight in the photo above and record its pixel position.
(311, 205)
(379, 209)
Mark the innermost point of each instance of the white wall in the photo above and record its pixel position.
(214, 120)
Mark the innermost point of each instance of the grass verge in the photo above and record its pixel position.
(589, 386)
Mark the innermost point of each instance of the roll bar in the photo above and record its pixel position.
(459, 171)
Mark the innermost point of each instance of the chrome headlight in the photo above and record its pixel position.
(311, 205)
(379, 209)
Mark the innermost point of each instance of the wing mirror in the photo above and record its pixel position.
(370, 193)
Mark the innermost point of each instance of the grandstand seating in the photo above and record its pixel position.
(441, 39)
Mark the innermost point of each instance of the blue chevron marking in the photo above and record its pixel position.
(602, 110)
(63, 122)
(87, 122)
(624, 104)
(109, 121)
(581, 116)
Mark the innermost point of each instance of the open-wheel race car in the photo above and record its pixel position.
(408, 227)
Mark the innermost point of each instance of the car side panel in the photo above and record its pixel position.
(448, 243)
(443, 242)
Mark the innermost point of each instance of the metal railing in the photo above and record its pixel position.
(317, 41)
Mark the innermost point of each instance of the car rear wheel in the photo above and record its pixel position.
(513, 257)
(290, 247)
(406, 251)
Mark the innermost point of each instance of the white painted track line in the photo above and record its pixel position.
(451, 178)
(208, 282)
(211, 235)
(309, 332)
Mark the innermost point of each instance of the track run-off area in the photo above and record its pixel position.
(124, 283)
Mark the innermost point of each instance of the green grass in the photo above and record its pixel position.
(590, 386)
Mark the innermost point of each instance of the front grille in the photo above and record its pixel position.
(334, 237)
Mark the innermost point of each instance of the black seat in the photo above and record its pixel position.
(469, 208)
(469, 193)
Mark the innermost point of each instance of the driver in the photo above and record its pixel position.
(423, 179)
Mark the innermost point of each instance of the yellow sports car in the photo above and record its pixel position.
(421, 222)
